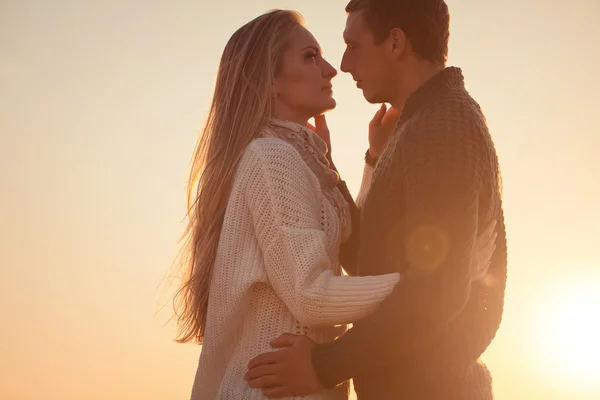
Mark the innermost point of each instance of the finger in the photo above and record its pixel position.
(487, 255)
(490, 227)
(278, 392)
(485, 237)
(262, 359)
(391, 116)
(285, 340)
(264, 382)
(321, 122)
(260, 371)
(484, 266)
(378, 117)
(486, 247)
(490, 255)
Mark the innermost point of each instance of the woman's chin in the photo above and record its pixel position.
(328, 105)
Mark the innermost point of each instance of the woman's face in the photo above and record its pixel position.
(303, 85)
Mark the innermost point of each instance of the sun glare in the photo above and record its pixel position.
(566, 334)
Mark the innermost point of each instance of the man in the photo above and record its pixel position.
(435, 187)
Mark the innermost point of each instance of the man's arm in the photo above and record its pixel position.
(365, 185)
(349, 248)
(440, 174)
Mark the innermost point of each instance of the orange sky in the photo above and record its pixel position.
(100, 104)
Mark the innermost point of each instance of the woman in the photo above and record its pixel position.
(267, 215)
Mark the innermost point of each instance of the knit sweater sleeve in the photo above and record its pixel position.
(285, 200)
(438, 168)
(365, 185)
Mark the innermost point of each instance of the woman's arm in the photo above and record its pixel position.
(285, 200)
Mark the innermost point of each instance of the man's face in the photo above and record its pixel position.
(371, 65)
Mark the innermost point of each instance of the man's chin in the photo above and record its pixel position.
(372, 97)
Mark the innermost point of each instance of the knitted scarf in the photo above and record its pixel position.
(313, 151)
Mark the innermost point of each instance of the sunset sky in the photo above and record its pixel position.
(100, 105)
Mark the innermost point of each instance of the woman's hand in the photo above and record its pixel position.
(321, 129)
(381, 129)
(484, 250)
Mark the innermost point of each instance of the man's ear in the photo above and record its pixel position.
(398, 42)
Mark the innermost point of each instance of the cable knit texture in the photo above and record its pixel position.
(277, 271)
(436, 186)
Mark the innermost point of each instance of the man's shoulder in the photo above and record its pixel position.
(451, 111)
(449, 121)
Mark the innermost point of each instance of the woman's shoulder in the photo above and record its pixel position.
(277, 162)
(273, 147)
(272, 152)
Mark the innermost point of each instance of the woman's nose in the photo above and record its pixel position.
(330, 72)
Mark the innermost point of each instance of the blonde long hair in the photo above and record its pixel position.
(241, 106)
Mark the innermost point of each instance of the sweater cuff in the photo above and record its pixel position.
(332, 363)
(369, 159)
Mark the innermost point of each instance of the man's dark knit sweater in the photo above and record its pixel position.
(435, 188)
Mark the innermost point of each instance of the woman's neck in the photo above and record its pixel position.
(285, 114)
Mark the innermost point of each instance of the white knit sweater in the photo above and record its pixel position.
(277, 271)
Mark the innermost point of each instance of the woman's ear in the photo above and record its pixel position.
(275, 89)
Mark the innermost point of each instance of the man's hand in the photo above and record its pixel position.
(287, 372)
(381, 129)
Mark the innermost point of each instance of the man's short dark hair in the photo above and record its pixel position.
(426, 23)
